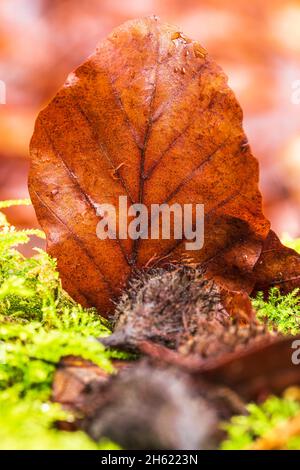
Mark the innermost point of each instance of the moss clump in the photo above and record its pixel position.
(279, 312)
(243, 431)
(29, 423)
(39, 324)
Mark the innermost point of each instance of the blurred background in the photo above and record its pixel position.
(256, 42)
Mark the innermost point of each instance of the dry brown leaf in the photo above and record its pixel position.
(150, 117)
(278, 266)
(253, 372)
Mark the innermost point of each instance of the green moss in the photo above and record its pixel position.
(39, 324)
(30, 424)
(261, 419)
(280, 312)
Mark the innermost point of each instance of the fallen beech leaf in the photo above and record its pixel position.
(253, 372)
(278, 266)
(148, 117)
(256, 371)
(238, 305)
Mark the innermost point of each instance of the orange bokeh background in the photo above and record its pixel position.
(257, 43)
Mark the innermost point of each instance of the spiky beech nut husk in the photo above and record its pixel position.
(181, 309)
(147, 407)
